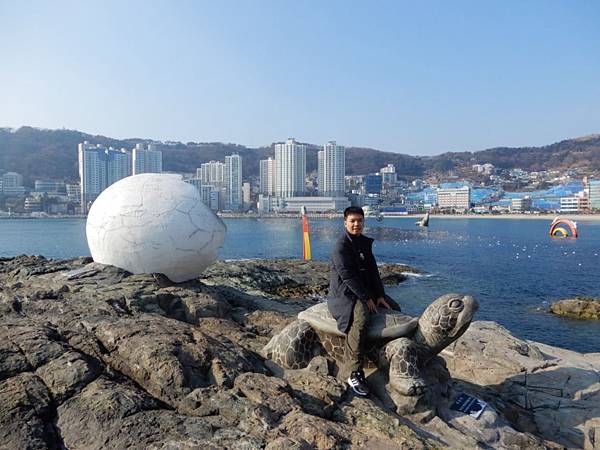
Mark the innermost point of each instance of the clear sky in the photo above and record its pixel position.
(413, 77)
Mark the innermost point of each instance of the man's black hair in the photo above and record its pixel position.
(353, 210)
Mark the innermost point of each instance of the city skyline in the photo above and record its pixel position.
(222, 188)
(400, 77)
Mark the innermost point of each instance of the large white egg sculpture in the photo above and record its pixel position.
(154, 223)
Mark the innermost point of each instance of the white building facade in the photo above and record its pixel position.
(521, 204)
(147, 160)
(454, 198)
(232, 177)
(389, 177)
(11, 184)
(332, 170)
(99, 167)
(290, 169)
(315, 204)
(211, 173)
(267, 176)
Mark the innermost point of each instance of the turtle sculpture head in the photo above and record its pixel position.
(444, 321)
(401, 344)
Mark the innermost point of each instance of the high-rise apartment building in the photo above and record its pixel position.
(211, 173)
(147, 160)
(332, 170)
(290, 169)
(233, 182)
(99, 167)
(246, 195)
(208, 194)
(389, 176)
(321, 172)
(118, 165)
(267, 176)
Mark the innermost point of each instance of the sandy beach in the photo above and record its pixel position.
(550, 217)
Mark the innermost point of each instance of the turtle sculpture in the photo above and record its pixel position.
(396, 342)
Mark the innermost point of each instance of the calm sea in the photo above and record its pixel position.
(512, 267)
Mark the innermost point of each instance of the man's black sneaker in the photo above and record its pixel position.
(357, 382)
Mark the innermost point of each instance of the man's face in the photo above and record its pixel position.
(354, 224)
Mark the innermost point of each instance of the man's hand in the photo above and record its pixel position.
(380, 302)
(371, 306)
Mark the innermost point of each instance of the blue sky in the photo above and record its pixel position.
(419, 78)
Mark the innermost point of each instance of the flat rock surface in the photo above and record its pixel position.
(548, 391)
(93, 357)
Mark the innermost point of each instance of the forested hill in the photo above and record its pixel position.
(582, 152)
(40, 153)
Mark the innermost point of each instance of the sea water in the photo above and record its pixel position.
(512, 267)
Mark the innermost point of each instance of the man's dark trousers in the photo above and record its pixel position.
(354, 346)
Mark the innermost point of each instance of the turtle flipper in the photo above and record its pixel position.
(293, 347)
(402, 355)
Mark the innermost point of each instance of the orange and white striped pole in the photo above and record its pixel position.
(305, 235)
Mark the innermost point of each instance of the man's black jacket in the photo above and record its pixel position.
(354, 276)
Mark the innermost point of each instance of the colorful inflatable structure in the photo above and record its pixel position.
(306, 253)
(563, 228)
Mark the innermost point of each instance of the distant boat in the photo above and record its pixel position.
(424, 222)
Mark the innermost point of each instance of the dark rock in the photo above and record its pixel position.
(67, 374)
(287, 278)
(577, 308)
(116, 415)
(269, 392)
(26, 414)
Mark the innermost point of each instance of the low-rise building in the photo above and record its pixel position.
(50, 186)
(457, 199)
(315, 204)
(518, 205)
(569, 204)
(593, 193)
(269, 203)
(33, 204)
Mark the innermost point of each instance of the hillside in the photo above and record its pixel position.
(39, 153)
(582, 152)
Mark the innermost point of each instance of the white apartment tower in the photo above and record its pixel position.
(332, 170)
(118, 165)
(290, 169)
(211, 173)
(146, 160)
(321, 172)
(99, 167)
(267, 176)
(388, 175)
(233, 182)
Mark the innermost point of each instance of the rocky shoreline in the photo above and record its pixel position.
(93, 357)
(584, 308)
